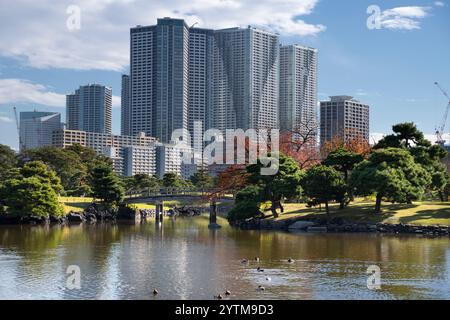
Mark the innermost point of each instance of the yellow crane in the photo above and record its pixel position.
(440, 130)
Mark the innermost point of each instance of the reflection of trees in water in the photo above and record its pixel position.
(184, 259)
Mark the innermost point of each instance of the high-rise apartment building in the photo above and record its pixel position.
(298, 88)
(245, 79)
(90, 109)
(125, 105)
(201, 50)
(159, 78)
(36, 128)
(345, 118)
(225, 79)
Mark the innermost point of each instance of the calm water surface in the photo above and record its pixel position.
(185, 260)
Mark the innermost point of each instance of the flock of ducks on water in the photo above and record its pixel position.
(244, 261)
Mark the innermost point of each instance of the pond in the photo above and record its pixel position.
(183, 259)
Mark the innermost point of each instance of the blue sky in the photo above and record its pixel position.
(393, 68)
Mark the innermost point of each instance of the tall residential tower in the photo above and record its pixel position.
(298, 88)
(159, 78)
(245, 79)
(90, 109)
(125, 106)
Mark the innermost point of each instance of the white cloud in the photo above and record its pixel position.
(24, 91)
(36, 31)
(377, 136)
(5, 119)
(439, 4)
(116, 101)
(403, 18)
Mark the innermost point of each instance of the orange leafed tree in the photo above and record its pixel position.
(301, 144)
(356, 143)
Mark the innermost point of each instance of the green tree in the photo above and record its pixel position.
(106, 185)
(247, 204)
(202, 180)
(408, 137)
(344, 161)
(172, 182)
(324, 184)
(140, 183)
(391, 174)
(284, 184)
(66, 163)
(405, 135)
(32, 190)
(8, 160)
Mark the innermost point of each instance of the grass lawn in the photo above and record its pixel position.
(418, 213)
(74, 203)
(80, 203)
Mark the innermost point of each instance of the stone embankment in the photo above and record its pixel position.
(94, 213)
(340, 226)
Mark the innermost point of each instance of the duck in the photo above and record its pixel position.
(259, 269)
(155, 292)
(257, 259)
(227, 293)
(291, 260)
(219, 297)
(268, 279)
(244, 261)
(261, 288)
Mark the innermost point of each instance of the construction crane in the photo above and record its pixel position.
(18, 128)
(440, 130)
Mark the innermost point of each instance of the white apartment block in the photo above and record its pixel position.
(139, 160)
(298, 88)
(113, 146)
(169, 159)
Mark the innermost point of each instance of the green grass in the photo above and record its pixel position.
(75, 203)
(418, 213)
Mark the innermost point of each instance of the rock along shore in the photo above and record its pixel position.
(94, 213)
(340, 226)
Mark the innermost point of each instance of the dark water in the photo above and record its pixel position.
(185, 260)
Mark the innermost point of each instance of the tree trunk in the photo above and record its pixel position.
(378, 203)
(273, 208)
(281, 206)
(441, 196)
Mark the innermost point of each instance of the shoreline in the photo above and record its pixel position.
(309, 226)
(298, 226)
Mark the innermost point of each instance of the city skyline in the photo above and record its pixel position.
(29, 85)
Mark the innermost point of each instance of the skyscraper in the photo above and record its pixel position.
(159, 78)
(245, 79)
(298, 88)
(90, 109)
(226, 78)
(201, 49)
(344, 118)
(125, 105)
(36, 128)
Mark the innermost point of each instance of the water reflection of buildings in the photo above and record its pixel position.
(186, 260)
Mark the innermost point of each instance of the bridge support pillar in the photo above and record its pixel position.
(213, 215)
